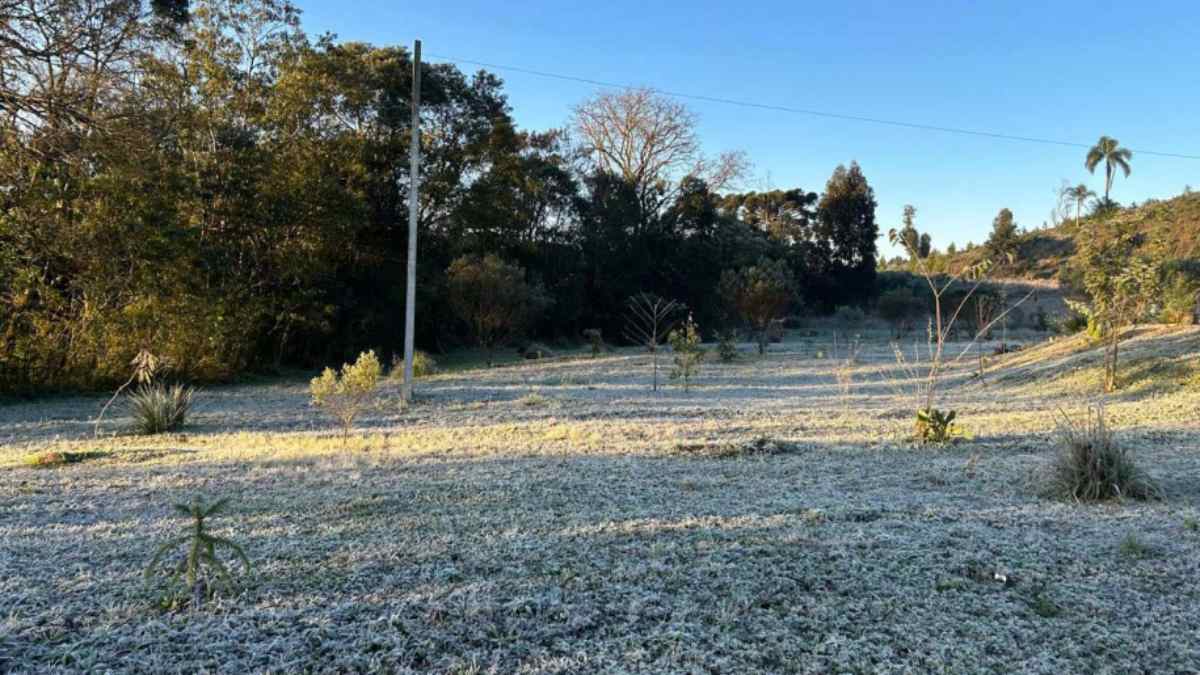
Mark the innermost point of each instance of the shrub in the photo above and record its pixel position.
(849, 316)
(935, 426)
(898, 306)
(1092, 466)
(424, 365)
(1180, 300)
(761, 295)
(199, 567)
(345, 395)
(595, 339)
(688, 354)
(158, 408)
(493, 298)
(1073, 323)
(727, 350)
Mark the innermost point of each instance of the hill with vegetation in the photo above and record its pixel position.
(1044, 253)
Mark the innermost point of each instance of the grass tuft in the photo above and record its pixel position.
(1091, 466)
(158, 408)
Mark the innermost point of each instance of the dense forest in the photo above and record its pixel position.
(208, 183)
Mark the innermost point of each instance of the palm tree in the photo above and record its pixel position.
(1108, 150)
(1078, 194)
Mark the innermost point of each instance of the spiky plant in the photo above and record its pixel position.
(158, 408)
(199, 565)
(936, 427)
(1092, 466)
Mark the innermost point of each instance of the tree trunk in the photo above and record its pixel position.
(1110, 363)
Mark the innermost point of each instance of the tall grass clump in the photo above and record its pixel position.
(158, 408)
(1092, 466)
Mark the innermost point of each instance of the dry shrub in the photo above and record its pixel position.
(1092, 466)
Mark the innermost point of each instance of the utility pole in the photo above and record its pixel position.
(414, 176)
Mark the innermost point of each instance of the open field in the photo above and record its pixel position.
(559, 516)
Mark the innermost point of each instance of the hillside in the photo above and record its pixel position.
(1041, 254)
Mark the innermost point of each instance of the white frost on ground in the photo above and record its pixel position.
(583, 529)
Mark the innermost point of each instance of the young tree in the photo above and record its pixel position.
(345, 394)
(1109, 151)
(688, 354)
(950, 294)
(493, 298)
(759, 294)
(1121, 277)
(650, 319)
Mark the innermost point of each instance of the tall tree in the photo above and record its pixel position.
(1003, 240)
(846, 215)
(650, 141)
(1109, 151)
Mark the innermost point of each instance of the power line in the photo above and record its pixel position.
(801, 111)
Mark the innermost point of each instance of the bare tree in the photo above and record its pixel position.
(650, 141)
(650, 319)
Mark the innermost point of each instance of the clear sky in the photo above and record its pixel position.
(1068, 71)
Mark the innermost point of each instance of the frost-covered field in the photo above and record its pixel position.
(560, 517)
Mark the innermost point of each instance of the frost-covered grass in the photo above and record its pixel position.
(760, 522)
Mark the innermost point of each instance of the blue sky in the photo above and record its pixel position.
(1068, 71)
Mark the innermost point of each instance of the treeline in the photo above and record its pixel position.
(209, 184)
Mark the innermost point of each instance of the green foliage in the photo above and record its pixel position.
(727, 350)
(200, 568)
(1002, 243)
(936, 427)
(687, 352)
(1122, 281)
(848, 315)
(424, 365)
(898, 307)
(492, 297)
(1109, 151)
(224, 190)
(1132, 546)
(760, 294)
(158, 408)
(1180, 299)
(1091, 466)
(344, 395)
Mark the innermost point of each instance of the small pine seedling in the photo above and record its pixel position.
(200, 564)
(685, 343)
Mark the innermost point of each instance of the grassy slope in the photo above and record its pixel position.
(1042, 253)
